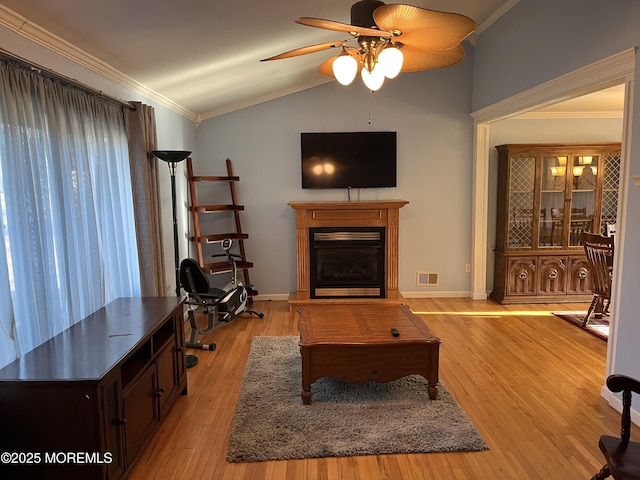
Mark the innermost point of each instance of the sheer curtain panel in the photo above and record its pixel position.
(68, 230)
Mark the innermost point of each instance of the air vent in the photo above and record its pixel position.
(428, 278)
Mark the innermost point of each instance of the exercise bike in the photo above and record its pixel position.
(221, 305)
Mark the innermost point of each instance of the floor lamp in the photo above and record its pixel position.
(173, 157)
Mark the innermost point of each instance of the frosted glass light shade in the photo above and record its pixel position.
(390, 59)
(373, 80)
(345, 68)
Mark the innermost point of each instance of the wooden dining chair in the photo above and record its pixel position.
(599, 251)
(622, 455)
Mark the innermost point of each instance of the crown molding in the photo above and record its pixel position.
(38, 35)
(542, 115)
(495, 16)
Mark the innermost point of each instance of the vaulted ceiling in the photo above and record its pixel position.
(201, 58)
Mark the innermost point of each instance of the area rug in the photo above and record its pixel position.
(597, 326)
(271, 423)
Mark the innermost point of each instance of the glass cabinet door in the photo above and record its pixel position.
(610, 187)
(584, 171)
(521, 196)
(552, 200)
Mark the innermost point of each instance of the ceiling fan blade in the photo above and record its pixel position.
(422, 28)
(416, 59)
(327, 66)
(342, 27)
(305, 50)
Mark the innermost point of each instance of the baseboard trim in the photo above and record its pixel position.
(417, 294)
(272, 296)
(436, 294)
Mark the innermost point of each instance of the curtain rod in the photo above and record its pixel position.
(63, 78)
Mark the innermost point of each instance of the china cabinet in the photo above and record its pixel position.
(547, 195)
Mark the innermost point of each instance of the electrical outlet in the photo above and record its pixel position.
(467, 267)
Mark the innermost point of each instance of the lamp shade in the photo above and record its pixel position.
(390, 59)
(373, 80)
(172, 156)
(345, 68)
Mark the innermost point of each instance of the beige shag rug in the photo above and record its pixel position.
(271, 423)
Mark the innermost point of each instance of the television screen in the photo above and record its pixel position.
(348, 159)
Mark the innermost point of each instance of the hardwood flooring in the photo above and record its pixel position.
(529, 381)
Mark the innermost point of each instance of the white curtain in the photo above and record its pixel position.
(67, 211)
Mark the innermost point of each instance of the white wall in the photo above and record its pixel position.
(429, 110)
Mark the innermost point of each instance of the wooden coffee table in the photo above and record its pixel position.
(354, 343)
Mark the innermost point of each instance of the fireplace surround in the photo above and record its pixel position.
(345, 216)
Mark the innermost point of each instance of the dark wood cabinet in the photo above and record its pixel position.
(85, 403)
(548, 194)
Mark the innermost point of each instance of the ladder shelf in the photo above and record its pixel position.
(238, 235)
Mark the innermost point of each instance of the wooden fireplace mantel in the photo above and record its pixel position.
(367, 213)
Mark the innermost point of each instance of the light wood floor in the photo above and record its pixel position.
(529, 381)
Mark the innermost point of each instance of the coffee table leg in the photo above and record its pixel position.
(306, 395)
(306, 376)
(432, 389)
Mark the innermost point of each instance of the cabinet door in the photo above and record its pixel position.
(181, 358)
(520, 223)
(521, 276)
(610, 186)
(140, 412)
(553, 180)
(584, 183)
(167, 376)
(113, 420)
(578, 276)
(552, 275)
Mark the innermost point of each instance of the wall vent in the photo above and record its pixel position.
(428, 278)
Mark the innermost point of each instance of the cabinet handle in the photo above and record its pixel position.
(160, 391)
(582, 273)
(553, 274)
(522, 274)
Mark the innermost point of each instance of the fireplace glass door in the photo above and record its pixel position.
(347, 262)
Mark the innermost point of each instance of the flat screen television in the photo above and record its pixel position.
(348, 159)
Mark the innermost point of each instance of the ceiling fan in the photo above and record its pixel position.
(390, 39)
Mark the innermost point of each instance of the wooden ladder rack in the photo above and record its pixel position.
(238, 236)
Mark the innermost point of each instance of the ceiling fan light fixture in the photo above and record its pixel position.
(390, 39)
(345, 68)
(374, 79)
(390, 60)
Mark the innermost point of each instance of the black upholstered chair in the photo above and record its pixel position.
(622, 455)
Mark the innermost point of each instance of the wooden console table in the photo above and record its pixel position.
(354, 343)
(84, 404)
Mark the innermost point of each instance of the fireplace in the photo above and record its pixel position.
(364, 218)
(347, 262)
